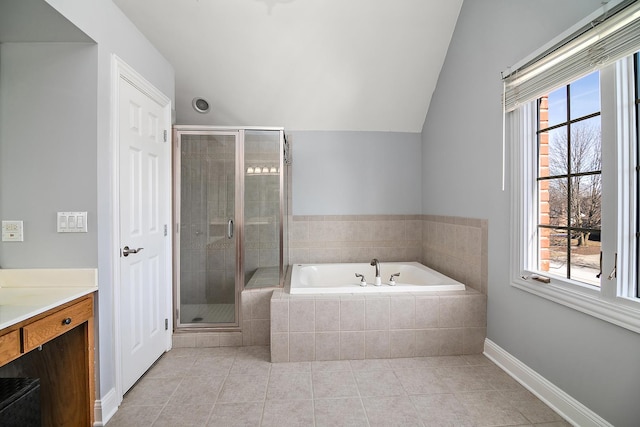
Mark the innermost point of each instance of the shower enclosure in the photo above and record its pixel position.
(230, 200)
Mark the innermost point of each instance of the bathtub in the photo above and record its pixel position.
(314, 279)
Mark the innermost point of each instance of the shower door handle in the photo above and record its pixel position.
(230, 229)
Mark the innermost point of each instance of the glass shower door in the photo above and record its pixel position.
(262, 205)
(208, 289)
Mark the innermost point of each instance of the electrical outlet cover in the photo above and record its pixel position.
(12, 231)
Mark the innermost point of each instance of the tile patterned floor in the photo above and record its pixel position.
(240, 387)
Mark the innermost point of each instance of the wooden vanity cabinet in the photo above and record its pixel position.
(9, 346)
(55, 324)
(57, 347)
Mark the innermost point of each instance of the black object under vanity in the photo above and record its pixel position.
(19, 402)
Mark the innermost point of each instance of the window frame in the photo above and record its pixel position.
(611, 302)
(636, 156)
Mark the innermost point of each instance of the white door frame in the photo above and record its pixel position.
(121, 70)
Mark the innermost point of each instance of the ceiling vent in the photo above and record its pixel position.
(201, 105)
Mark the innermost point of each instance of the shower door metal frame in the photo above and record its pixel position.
(178, 131)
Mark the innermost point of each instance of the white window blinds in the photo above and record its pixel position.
(610, 37)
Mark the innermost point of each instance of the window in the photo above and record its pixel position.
(569, 181)
(573, 121)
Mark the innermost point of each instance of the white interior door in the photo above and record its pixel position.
(144, 186)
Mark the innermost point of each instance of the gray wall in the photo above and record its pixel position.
(593, 361)
(356, 173)
(88, 150)
(48, 150)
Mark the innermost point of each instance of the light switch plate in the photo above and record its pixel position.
(12, 231)
(72, 222)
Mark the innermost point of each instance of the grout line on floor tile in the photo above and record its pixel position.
(219, 390)
(355, 380)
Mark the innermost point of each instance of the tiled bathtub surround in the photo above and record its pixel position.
(376, 326)
(454, 246)
(458, 248)
(256, 314)
(355, 238)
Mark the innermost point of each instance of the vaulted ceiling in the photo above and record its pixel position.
(303, 64)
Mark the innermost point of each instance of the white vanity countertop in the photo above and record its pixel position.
(25, 293)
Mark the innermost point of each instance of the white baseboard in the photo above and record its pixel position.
(568, 407)
(105, 408)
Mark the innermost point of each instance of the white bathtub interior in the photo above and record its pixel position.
(341, 278)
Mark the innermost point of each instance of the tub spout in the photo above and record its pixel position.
(376, 263)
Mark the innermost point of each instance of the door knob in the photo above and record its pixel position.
(126, 251)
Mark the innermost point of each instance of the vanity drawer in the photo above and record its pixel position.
(43, 330)
(9, 346)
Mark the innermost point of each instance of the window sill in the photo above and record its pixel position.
(618, 313)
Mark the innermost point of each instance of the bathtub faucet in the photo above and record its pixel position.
(376, 263)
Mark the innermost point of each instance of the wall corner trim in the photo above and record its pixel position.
(565, 405)
(105, 408)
